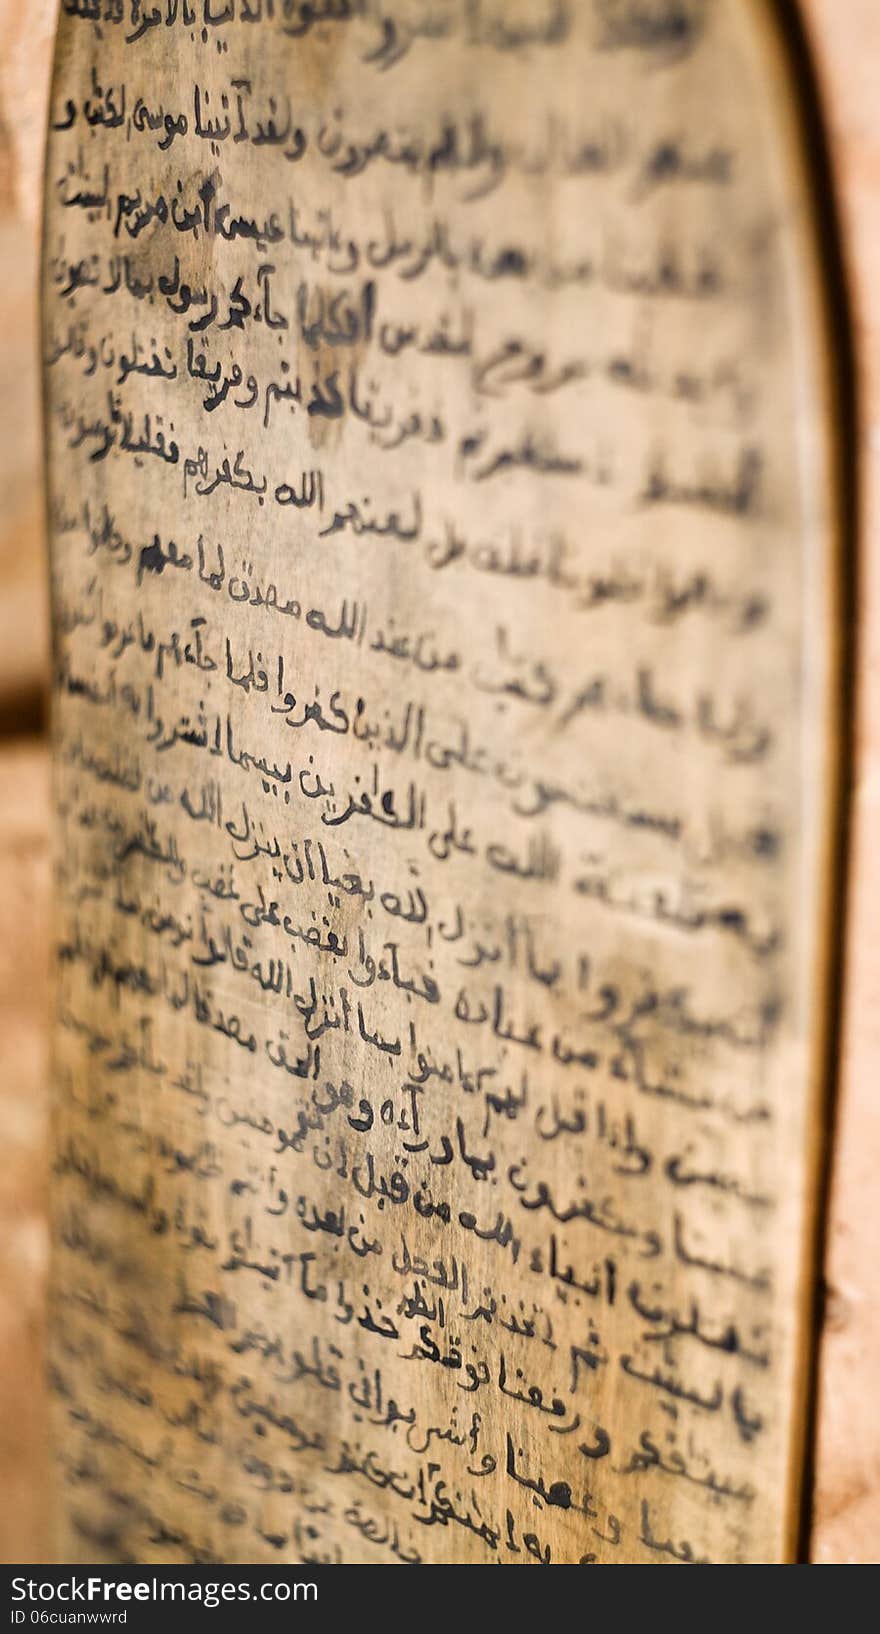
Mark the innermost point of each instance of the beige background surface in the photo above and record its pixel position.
(26, 31)
(846, 41)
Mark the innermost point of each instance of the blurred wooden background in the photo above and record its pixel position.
(845, 36)
(26, 31)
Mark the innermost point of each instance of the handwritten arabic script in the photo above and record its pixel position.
(443, 512)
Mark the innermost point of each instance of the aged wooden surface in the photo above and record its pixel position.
(445, 565)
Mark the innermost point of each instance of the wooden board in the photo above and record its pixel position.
(446, 546)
